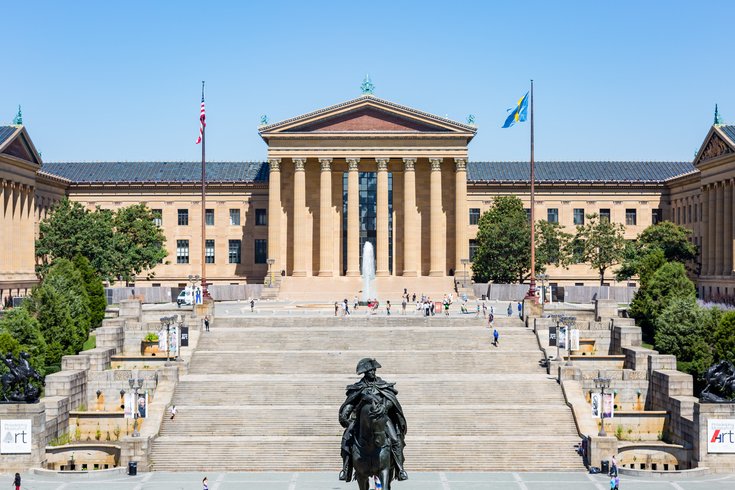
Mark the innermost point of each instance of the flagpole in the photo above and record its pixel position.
(205, 293)
(532, 285)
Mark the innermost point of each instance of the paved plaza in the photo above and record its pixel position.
(328, 481)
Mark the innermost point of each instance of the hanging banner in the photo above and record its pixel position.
(15, 436)
(574, 339)
(129, 405)
(597, 404)
(552, 336)
(608, 405)
(184, 336)
(721, 436)
(596, 399)
(562, 337)
(143, 405)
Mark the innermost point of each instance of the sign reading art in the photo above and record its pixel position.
(15, 436)
(721, 436)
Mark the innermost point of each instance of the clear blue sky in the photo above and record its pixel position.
(121, 80)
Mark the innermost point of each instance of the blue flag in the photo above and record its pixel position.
(518, 114)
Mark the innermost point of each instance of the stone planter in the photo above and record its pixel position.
(148, 348)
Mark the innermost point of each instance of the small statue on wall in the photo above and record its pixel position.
(17, 382)
(720, 384)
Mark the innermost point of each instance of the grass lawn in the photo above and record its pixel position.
(91, 343)
(646, 345)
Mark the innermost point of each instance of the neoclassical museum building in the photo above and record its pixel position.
(364, 170)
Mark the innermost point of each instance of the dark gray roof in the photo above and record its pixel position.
(110, 172)
(6, 132)
(729, 131)
(643, 172)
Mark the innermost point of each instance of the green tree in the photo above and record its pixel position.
(724, 338)
(669, 282)
(553, 246)
(681, 331)
(94, 288)
(72, 230)
(669, 238)
(138, 241)
(26, 330)
(57, 325)
(503, 243)
(602, 243)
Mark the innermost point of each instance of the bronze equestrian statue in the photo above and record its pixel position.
(375, 429)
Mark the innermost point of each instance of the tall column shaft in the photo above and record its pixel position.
(438, 254)
(4, 229)
(300, 250)
(461, 217)
(710, 243)
(353, 218)
(717, 235)
(326, 236)
(381, 266)
(15, 246)
(274, 215)
(28, 225)
(411, 235)
(727, 230)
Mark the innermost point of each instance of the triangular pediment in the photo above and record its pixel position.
(716, 144)
(19, 145)
(367, 114)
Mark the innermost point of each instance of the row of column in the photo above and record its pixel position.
(412, 234)
(717, 228)
(17, 228)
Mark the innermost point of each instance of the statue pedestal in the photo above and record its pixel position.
(27, 450)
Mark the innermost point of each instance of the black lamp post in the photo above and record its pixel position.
(135, 385)
(602, 383)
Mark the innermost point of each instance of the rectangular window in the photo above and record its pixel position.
(696, 214)
(689, 213)
(656, 216)
(209, 217)
(474, 216)
(605, 214)
(234, 217)
(234, 251)
(630, 217)
(528, 214)
(578, 216)
(182, 251)
(261, 217)
(183, 217)
(473, 249)
(552, 215)
(261, 251)
(209, 251)
(157, 217)
(678, 216)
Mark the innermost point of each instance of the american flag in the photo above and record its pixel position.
(202, 120)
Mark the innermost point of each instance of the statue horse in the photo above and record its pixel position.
(371, 454)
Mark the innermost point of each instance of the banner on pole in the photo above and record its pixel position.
(15, 436)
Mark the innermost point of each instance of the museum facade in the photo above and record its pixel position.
(366, 170)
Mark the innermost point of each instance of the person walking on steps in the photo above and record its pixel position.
(16, 481)
(173, 411)
(496, 337)
(252, 305)
(206, 323)
(387, 307)
(520, 310)
(510, 310)
(205, 484)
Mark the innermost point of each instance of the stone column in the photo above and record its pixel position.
(300, 250)
(4, 231)
(381, 265)
(717, 236)
(727, 230)
(28, 226)
(438, 239)
(710, 218)
(274, 215)
(326, 237)
(461, 217)
(411, 236)
(15, 203)
(353, 218)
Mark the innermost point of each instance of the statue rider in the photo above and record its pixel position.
(368, 387)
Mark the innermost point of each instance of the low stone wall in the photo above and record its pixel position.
(34, 412)
(702, 413)
(70, 384)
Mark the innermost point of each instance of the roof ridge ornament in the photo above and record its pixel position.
(367, 86)
(718, 117)
(18, 119)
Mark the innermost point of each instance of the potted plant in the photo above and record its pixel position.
(149, 344)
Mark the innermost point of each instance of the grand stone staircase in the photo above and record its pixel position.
(262, 394)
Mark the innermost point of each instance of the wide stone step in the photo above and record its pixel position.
(361, 320)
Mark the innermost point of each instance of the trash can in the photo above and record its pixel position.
(605, 466)
(132, 468)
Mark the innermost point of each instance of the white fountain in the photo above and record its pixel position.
(368, 272)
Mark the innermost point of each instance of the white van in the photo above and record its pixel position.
(186, 297)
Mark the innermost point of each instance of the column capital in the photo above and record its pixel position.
(409, 164)
(352, 164)
(299, 164)
(460, 164)
(326, 164)
(275, 164)
(382, 164)
(436, 164)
